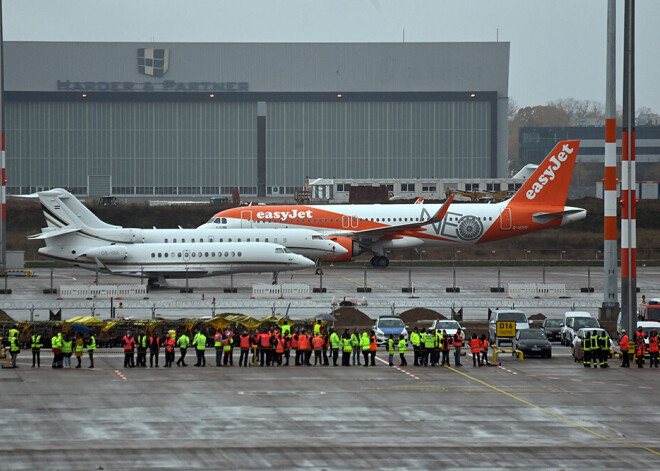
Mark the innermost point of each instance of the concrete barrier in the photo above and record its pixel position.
(537, 289)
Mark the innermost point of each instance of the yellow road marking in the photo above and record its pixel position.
(359, 283)
(560, 417)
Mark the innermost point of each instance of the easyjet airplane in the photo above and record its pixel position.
(539, 204)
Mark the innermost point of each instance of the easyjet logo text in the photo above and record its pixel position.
(549, 173)
(284, 215)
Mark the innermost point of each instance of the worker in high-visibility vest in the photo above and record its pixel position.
(402, 351)
(347, 349)
(91, 347)
(199, 342)
(335, 343)
(36, 350)
(79, 347)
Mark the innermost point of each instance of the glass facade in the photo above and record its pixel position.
(207, 147)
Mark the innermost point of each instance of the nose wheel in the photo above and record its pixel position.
(380, 261)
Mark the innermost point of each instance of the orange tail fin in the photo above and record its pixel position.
(548, 185)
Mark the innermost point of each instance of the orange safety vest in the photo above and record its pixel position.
(625, 342)
(245, 341)
(265, 340)
(484, 345)
(294, 342)
(475, 345)
(640, 346)
(128, 344)
(373, 344)
(653, 344)
(458, 341)
(169, 344)
(280, 346)
(317, 343)
(303, 342)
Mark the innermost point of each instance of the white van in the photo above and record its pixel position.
(567, 325)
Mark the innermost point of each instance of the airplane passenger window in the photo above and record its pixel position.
(212, 254)
(239, 239)
(229, 240)
(178, 254)
(239, 254)
(248, 239)
(192, 253)
(160, 255)
(266, 239)
(257, 239)
(199, 254)
(226, 254)
(166, 255)
(166, 241)
(174, 240)
(233, 254)
(193, 240)
(206, 254)
(153, 255)
(183, 241)
(221, 240)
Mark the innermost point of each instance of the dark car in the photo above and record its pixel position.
(552, 329)
(532, 342)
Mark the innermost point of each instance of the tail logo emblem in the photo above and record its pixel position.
(550, 172)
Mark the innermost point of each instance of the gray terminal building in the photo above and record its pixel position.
(196, 119)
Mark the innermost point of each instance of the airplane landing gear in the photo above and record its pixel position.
(275, 278)
(319, 268)
(155, 283)
(380, 261)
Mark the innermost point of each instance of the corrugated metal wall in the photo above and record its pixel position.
(198, 148)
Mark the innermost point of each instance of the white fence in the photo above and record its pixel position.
(537, 289)
(104, 291)
(281, 291)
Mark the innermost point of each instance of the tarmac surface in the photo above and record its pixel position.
(529, 414)
(28, 302)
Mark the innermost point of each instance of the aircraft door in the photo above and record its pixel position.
(354, 222)
(186, 255)
(344, 222)
(246, 219)
(505, 219)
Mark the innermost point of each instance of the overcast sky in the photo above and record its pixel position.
(557, 46)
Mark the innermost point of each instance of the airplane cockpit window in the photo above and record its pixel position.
(279, 250)
(318, 237)
(223, 221)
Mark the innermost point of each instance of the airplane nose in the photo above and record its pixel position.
(337, 249)
(304, 262)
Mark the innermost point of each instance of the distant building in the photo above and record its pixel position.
(196, 119)
(536, 142)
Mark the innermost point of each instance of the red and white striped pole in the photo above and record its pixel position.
(610, 307)
(628, 178)
(3, 187)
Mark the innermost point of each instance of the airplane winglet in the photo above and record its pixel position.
(439, 216)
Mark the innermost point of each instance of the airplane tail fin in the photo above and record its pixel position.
(549, 183)
(62, 209)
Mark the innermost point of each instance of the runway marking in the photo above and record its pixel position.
(119, 375)
(508, 371)
(399, 368)
(358, 283)
(553, 414)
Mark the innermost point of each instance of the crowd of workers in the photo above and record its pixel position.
(275, 346)
(266, 347)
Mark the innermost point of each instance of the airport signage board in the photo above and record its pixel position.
(506, 329)
(164, 86)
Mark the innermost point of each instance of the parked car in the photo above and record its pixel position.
(552, 328)
(577, 323)
(533, 342)
(448, 325)
(519, 317)
(576, 345)
(389, 325)
(564, 325)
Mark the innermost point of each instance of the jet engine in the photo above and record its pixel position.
(349, 244)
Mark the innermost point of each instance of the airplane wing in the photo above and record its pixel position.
(56, 233)
(395, 230)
